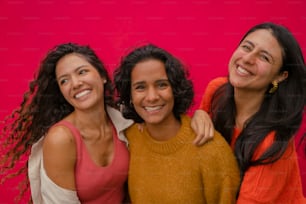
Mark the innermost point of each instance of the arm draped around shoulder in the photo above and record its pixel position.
(211, 88)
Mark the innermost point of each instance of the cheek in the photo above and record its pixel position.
(135, 97)
(233, 59)
(101, 86)
(169, 96)
(265, 70)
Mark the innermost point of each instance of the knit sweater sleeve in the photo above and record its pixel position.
(220, 171)
(279, 182)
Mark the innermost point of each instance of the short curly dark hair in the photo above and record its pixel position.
(176, 72)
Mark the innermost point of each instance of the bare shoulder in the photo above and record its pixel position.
(59, 156)
(59, 135)
(59, 144)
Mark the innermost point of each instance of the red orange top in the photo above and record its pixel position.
(279, 182)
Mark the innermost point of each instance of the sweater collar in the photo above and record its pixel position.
(184, 136)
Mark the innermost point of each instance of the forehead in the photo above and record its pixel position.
(149, 70)
(70, 62)
(265, 40)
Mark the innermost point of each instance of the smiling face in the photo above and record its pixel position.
(256, 62)
(151, 92)
(79, 82)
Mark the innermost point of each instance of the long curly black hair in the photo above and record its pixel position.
(42, 106)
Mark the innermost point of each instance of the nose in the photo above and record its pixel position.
(249, 57)
(152, 94)
(76, 82)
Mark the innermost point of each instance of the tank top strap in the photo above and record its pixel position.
(114, 132)
(75, 132)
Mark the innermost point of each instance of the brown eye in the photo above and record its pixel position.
(265, 58)
(62, 81)
(139, 87)
(163, 84)
(83, 71)
(246, 47)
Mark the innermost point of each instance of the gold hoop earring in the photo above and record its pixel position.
(274, 88)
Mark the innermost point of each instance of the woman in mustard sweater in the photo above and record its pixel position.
(165, 167)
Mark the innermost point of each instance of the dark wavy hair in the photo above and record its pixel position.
(176, 72)
(280, 111)
(42, 106)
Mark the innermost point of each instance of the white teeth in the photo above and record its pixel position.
(83, 93)
(242, 71)
(153, 108)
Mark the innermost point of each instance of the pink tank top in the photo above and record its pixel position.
(96, 184)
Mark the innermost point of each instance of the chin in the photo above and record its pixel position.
(153, 121)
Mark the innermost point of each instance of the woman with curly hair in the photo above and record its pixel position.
(73, 134)
(164, 165)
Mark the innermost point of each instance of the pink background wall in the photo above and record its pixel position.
(202, 33)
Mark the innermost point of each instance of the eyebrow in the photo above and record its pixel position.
(143, 82)
(75, 70)
(137, 83)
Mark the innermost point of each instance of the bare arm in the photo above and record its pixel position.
(203, 127)
(59, 156)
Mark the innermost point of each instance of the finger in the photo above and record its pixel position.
(197, 140)
(208, 134)
(211, 132)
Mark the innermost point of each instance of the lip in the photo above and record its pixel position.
(153, 108)
(81, 93)
(242, 71)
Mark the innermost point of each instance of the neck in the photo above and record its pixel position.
(90, 118)
(247, 104)
(93, 126)
(164, 131)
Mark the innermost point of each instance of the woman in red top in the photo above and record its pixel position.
(258, 109)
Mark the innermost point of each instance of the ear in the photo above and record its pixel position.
(282, 76)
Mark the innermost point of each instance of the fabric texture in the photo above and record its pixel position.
(279, 182)
(177, 171)
(91, 180)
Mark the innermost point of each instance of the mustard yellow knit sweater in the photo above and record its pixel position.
(176, 171)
